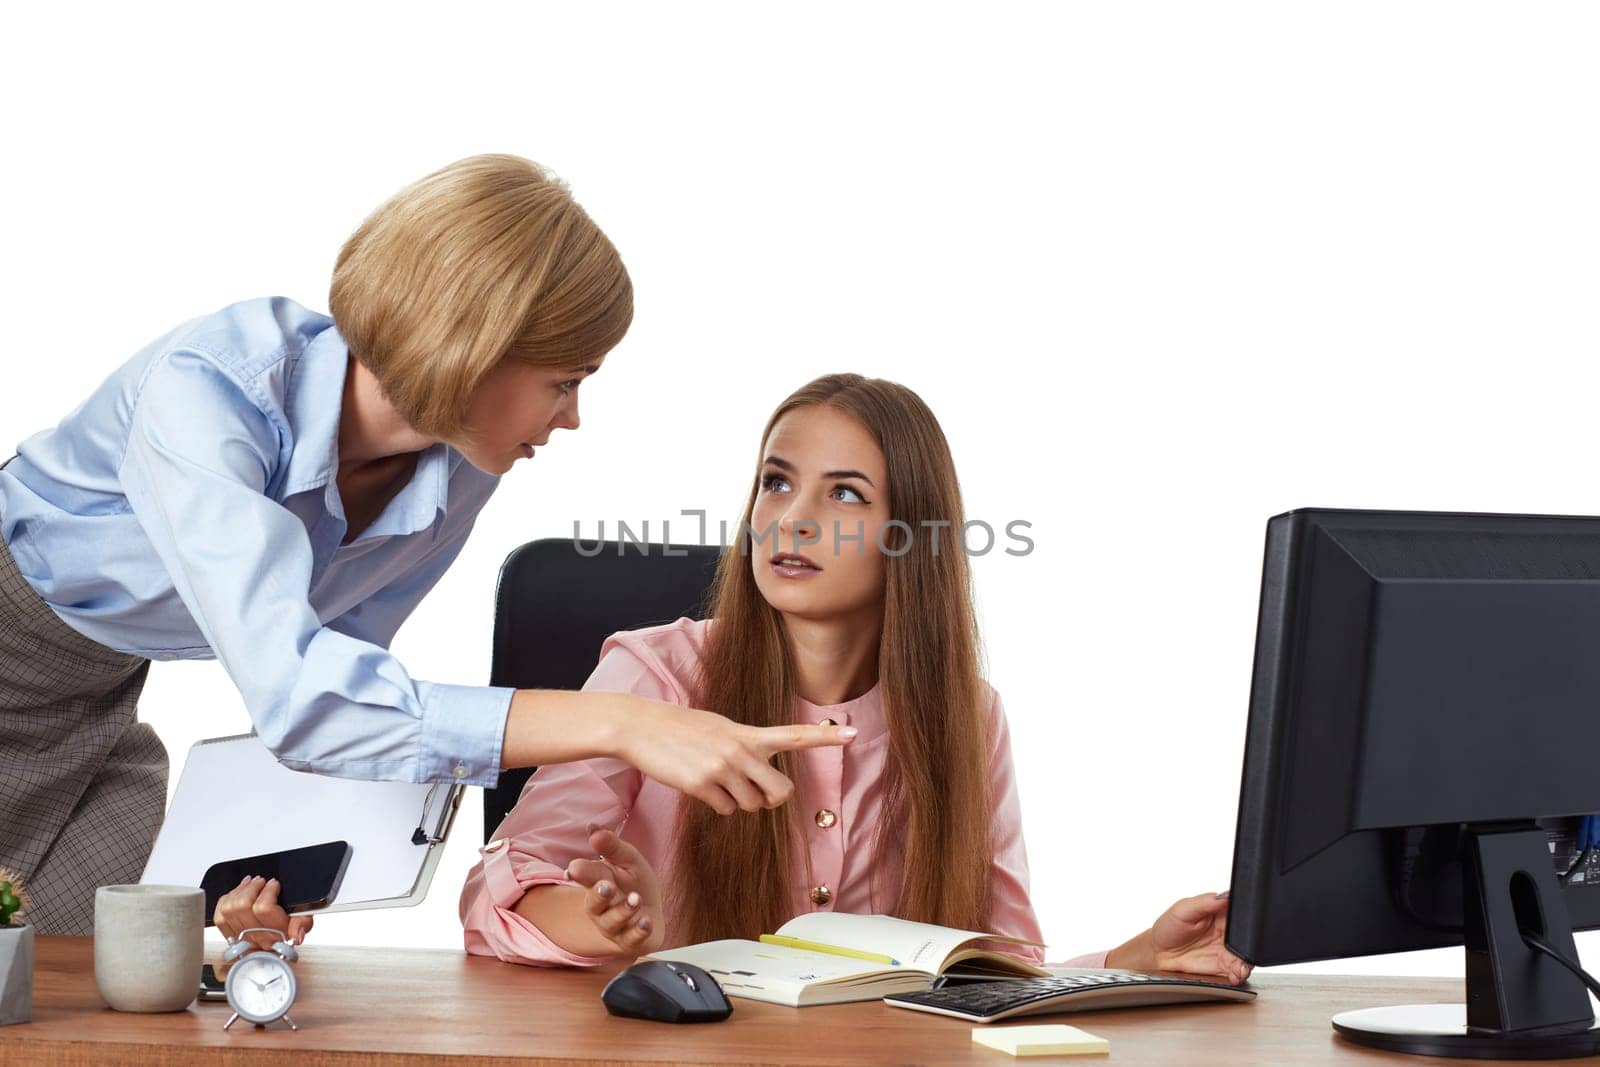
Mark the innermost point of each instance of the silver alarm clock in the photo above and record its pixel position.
(260, 984)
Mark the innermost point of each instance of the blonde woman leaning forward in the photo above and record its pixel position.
(278, 488)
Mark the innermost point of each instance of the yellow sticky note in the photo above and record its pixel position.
(1054, 1040)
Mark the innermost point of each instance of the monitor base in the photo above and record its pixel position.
(1441, 1030)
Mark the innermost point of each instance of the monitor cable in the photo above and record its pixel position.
(1539, 944)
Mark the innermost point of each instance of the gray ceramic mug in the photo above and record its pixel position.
(148, 944)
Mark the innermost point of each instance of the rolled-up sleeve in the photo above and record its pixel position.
(326, 699)
(548, 829)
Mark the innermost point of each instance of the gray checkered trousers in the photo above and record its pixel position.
(83, 783)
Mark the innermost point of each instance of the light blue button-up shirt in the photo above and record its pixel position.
(188, 509)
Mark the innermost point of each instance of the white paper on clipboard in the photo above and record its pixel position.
(234, 800)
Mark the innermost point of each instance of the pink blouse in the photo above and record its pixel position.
(840, 787)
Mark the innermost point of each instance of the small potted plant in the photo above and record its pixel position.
(16, 952)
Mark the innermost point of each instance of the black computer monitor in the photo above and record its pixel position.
(1423, 736)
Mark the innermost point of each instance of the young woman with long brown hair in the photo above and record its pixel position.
(845, 600)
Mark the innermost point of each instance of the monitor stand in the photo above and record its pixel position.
(1520, 1003)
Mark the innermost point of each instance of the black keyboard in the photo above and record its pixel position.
(985, 1002)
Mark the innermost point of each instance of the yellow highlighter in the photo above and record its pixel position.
(832, 950)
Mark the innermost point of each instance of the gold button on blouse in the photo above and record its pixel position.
(827, 722)
(826, 818)
(821, 895)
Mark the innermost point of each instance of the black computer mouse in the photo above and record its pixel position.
(666, 992)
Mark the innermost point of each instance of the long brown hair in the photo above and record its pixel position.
(732, 874)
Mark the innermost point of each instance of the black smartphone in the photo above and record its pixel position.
(307, 877)
(211, 987)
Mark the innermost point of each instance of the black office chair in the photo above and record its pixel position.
(554, 607)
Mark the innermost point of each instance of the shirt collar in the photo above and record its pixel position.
(420, 501)
(865, 713)
(316, 397)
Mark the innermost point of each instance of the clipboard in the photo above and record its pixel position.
(234, 799)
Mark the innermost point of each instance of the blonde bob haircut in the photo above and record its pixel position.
(487, 259)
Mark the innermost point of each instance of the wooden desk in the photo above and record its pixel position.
(412, 1006)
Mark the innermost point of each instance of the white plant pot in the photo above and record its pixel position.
(16, 974)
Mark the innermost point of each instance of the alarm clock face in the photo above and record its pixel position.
(261, 987)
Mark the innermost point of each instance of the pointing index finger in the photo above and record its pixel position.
(803, 736)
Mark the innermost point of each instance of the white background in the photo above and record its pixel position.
(1162, 270)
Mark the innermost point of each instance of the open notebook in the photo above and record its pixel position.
(833, 957)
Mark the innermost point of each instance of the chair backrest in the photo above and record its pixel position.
(558, 600)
